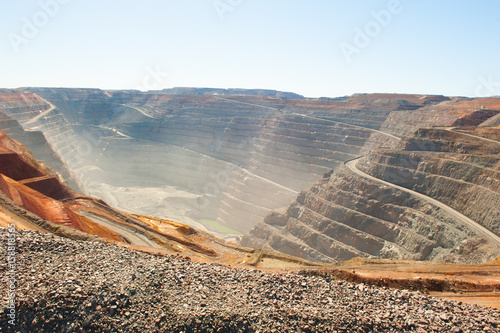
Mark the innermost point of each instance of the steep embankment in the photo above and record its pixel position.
(36, 142)
(42, 128)
(455, 167)
(24, 182)
(347, 214)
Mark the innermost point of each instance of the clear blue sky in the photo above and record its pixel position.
(441, 47)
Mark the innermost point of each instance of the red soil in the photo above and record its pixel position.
(31, 188)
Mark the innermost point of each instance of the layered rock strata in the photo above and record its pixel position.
(344, 215)
(222, 160)
(224, 157)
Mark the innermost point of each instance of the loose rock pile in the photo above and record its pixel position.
(76, 286)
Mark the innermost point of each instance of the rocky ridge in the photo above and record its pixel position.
(70, 286)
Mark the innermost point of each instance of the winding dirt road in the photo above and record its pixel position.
(453, 130)
(474, 226)
(139, 110)
(34, 119)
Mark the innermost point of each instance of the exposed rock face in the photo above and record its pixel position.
(492, 122)
(235, 156)
(476, 118)
(453, 167)
(36, 142)
(29, 187)
(231, 157)
(344, 215)
(43, 130)
(34, 199)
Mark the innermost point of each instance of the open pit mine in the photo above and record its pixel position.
(156, 194)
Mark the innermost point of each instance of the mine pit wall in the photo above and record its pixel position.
(241, 161)
(273, 157)
(234, 163)
(22, 107)
(463, 175)
(250, 175)
(344, 216)
(238, 163)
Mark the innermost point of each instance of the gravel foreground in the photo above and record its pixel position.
(75, 286)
